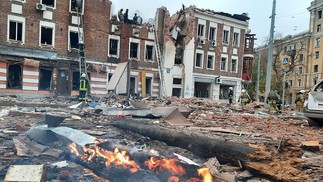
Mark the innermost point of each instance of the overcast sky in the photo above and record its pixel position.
(292, 16)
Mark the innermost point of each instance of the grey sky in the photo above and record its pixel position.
(292, 16)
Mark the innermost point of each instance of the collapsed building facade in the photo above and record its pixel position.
(194, 53)
(204, 52)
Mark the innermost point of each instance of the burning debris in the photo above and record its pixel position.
(175, 169)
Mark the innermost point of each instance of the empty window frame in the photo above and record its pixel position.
(223, 66)
(76, 80)
(16, 29)
(198, 60)
(47, 33)
(149, 52)
(177, 92)
(14, 79)
(113, 47)
(316, 68)
(200, 31)
(74, 6)
(236, 39)
(299, 82)
(49, 3)
(74, 40)
(212, 34)
(301, 57)
(178, 61)
(319, 14)
(300, 70)
(134, 49)
(234, 67)
(225, 37)
(210, 62)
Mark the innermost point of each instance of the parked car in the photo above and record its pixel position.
(313, 107)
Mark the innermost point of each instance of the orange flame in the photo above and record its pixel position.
(169, 164)
(117, 158)
(207, 177)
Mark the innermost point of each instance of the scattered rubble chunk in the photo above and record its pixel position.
(22, 173)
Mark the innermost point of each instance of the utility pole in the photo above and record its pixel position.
(258, 76)
(270, 51)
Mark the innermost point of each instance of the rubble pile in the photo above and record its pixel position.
(270, 147)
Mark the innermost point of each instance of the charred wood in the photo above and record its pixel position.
(224, 151)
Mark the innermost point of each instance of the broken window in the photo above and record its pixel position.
(235, 39)
(225, 37)
(14, 80)
(210, 61)
(234, 65)
(200, 31)
(74, 40)
(300, 70)
(247, 44)
(177, 81)
(149, 52)
(212, 35)
(76, 80)
(198, 61)
(317, 54)
(318, 42)
(50, 3)
(201, 90)
(45, 77)
(15, 30)
(223, 64)
(134, 50)
(176, 92)
(110, 76)
(301, 57)
(46, 36)
(113, 49)
(74, 6)
(299, 82)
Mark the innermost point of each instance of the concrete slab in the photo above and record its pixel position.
(176, 118)
(24, 173)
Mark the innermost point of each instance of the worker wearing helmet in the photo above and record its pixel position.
(244, 98)
(299, 101)
(230, 95)
(273, 99)
(83, 88)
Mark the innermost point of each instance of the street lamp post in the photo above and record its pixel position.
(258, 76)
(270, 51)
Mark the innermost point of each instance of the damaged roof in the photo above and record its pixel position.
(243, 17)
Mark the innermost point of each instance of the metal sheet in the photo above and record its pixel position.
(117, 74)
(31, 173)
(176, 118)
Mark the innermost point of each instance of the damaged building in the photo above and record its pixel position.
(205, 52)
(39, 46)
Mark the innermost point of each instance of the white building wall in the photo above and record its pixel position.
(188, 60)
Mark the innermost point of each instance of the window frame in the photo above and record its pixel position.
(213, 61)
(316, 68)
(70, 7)
(134, 41)
(236, 39)
(47, 25)
(317, 54)
(226, 64)
(118, 47)
(212, 34)
(151, 44)
(225, 38)
(73, 29)
(200, 30)
(53, 7)
(236, 65)
(201, 59)
(17, 19)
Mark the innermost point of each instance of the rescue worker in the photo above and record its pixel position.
(273, 99)
(244, 98)
(299, 101)
(230, 95)
(83, 88)
(120, 15)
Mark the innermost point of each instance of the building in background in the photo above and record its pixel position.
(205, 52)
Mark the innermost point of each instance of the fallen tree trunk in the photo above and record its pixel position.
(224, 151)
